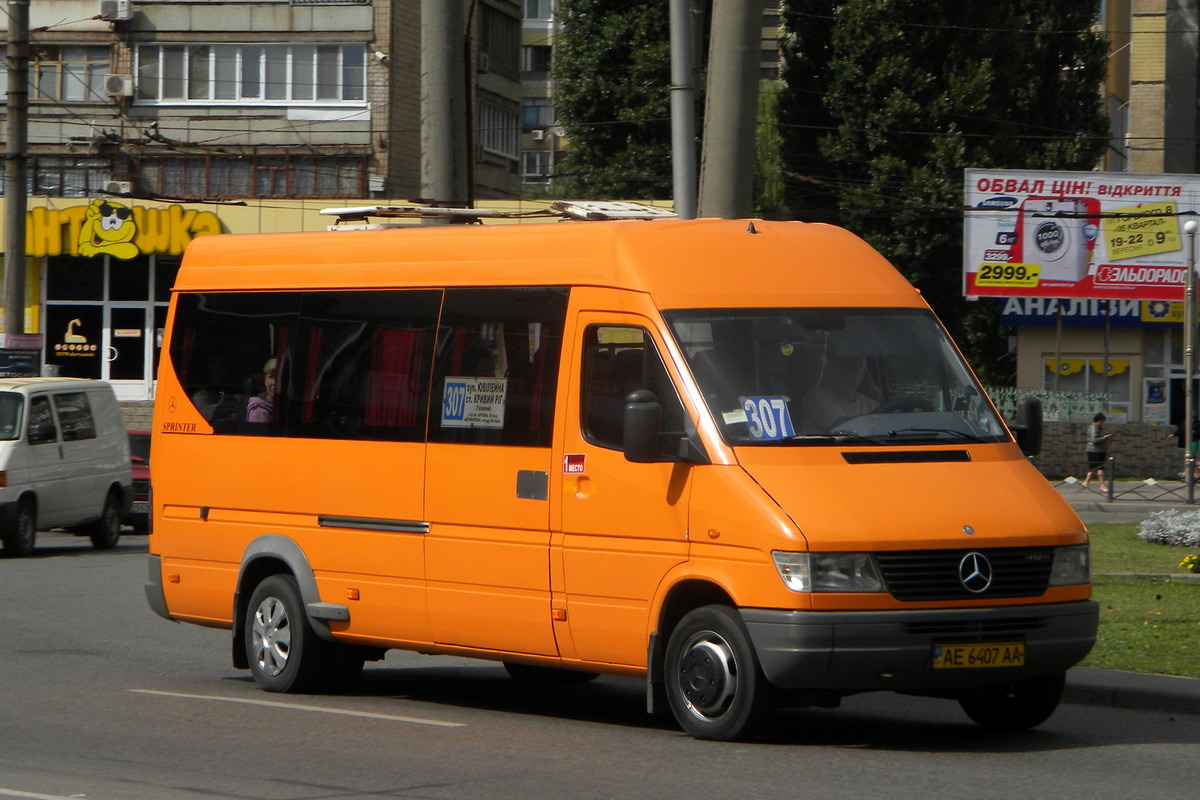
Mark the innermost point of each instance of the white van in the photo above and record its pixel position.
(64, 461)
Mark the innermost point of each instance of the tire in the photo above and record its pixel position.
(1014, 706)
(715, 686)
(105, 532)
(284, 652)
(530, 673)
(19, 538)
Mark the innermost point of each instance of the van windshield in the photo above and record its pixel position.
(11, 406)
(833, 376)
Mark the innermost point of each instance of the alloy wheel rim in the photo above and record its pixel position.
(272, 636)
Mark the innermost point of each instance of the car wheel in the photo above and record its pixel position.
(21, 535)
(284, 651)
(715, 686)
(530, 673)
(106, 531)
(1014, 706)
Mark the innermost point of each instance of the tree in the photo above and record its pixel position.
(612, 73)
(887, 102)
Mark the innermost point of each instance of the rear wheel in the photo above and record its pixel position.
(714, 683)
(1014, 706)
(21, 534)
(106, 531)
(284, 651)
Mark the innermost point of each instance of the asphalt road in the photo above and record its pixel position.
(103, 700)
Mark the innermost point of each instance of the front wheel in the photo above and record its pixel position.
(106, 531)
(715, 686)
(1014, 706)
(284, 651)
(20, 536)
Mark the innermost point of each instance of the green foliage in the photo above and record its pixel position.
(612, 72)
(889, 100)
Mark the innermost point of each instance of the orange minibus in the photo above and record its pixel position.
(740, 460)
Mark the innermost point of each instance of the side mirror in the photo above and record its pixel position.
(643, 420)
(1028, 427)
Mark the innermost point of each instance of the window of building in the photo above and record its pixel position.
(69, 72)
(252, 176)
(535, 62)
(262, 73)
(498, 130)
(54, 176)
(499, 41)
(538, 9)
(537, 112)
(536, 166)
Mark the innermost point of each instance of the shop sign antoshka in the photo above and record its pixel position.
(100, 228)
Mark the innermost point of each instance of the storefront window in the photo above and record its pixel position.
(129, 280)
(69, 278)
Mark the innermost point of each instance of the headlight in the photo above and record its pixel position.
(828, 572)
(1071, 565)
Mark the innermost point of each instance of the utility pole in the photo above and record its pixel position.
(443, 103)
(683, 108)
(731, 109)
(15, 166)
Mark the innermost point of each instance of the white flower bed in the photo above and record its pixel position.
(1171, 527)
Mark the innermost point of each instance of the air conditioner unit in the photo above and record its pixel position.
(483, 63)
(537, 135)
(118, 187)
(116, 10)
(118, 85)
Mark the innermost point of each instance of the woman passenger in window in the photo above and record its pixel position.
(260, 407)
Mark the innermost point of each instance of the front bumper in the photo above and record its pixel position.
(846, 651)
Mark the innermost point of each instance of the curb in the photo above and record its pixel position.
(1132, 690)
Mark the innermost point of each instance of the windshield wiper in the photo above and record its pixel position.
(952, 431)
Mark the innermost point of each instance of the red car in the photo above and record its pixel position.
(139, 457)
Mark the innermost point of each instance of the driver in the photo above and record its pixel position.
(837, 395)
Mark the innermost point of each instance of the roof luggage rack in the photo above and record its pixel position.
(358, 217)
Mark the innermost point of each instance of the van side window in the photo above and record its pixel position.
(41, 421)
(617, 360)
(497, 366)
(11, 406)
(75, 416)
(362, 365)
(220, 346)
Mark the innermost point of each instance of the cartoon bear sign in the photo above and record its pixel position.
(108, 229)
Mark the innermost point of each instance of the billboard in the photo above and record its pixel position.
(1118, 235)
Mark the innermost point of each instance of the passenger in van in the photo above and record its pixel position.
(218, 398)
(837, 395)
(260, 407)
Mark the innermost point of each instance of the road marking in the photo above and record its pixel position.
(36, 795)
(297, 707)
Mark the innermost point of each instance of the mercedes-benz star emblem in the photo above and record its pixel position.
(975, 572)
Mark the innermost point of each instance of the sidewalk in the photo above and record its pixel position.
(1132, 690)
(1134, 502)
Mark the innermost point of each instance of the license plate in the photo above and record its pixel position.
(140, 508)
(968, 656)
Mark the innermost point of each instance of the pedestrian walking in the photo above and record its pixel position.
(1097, 451)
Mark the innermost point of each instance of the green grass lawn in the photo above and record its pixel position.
(1146, 624)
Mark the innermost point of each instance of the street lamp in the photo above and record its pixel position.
(1189, 359)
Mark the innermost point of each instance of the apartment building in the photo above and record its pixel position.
(170, 119)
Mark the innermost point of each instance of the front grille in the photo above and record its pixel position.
(976, 630)
(934, 574)
(141, 490)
